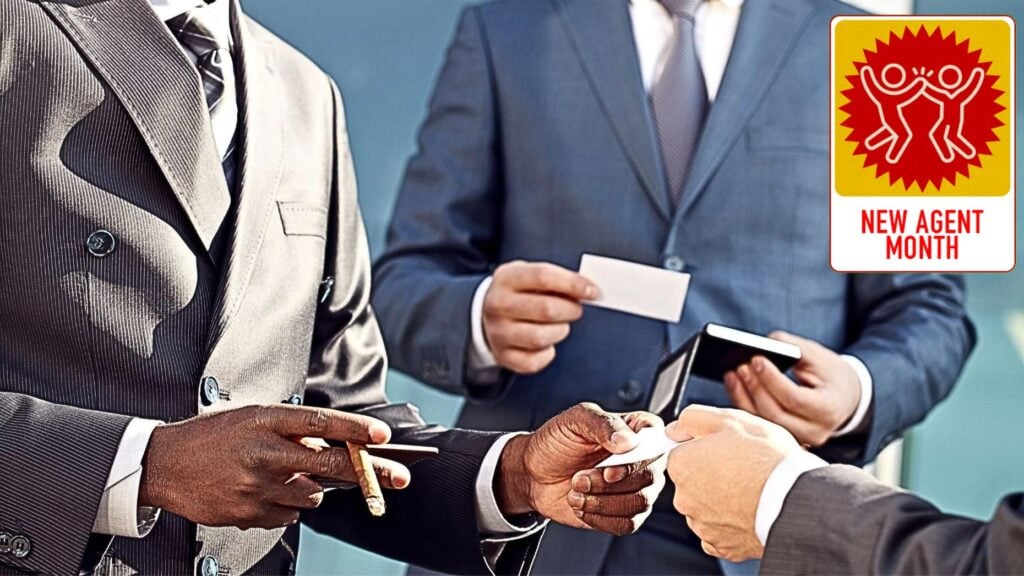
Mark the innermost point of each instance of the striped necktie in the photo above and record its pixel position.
(213, 60)
(680, 99)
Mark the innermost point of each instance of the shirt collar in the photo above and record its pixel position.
(167, 9)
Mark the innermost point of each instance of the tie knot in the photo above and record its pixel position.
(681, 8)
(194, 31)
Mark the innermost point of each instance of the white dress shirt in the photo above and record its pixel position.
(778, 487)
(715, 27)
(119, 512)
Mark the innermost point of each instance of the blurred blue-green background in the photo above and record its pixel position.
(385, 54)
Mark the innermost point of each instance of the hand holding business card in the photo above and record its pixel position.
(654, 443)
(636, 288)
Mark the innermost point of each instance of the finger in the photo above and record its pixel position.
(768, 407)
(272, 518)
(617, 479)
(594, 425)
(336, 464)
(622, 505)
(527, 362)
(738, 393)
(302, 492)
(789, 394)
(615, 525)
(530, 336)
(810, 350)
(392, 475)
(711, 550)
(640, 420)
(697, 421)
(298, 422)
(549, 278)
(539, 308)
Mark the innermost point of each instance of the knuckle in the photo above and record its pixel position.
(644, 501)
(680, 504)
(328, 463)
(533, 338)
(316, 421)
(546, 310)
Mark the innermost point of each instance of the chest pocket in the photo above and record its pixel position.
(302, 219)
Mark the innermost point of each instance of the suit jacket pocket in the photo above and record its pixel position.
(303, 219)
(786, 140)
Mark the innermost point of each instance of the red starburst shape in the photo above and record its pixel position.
(922, 108)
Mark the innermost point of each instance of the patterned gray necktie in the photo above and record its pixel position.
(213, 60)
(680, 99)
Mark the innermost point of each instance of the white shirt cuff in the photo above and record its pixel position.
(481, 365)
(119, 513)
(777, 488)
(867, 388)
(489, 519)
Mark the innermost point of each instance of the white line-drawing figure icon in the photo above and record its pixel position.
(953, 101)
(891, 94)
(890, 98)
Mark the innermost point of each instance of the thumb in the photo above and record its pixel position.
(607, 430)
(788, 338)
(810, 350)
(696, 422)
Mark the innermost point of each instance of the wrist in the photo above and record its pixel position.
(513, 480)
(153, 487)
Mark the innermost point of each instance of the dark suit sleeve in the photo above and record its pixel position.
(443, 235)
(433, 522)
(839, 520)
(54, 463)
(913, 334)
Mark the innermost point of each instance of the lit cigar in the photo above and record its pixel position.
(363, 464)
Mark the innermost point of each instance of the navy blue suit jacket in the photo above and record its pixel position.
(539, 145)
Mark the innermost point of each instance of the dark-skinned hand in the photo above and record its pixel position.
(551, 471)
(246, 468)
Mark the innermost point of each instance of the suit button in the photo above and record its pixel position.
(295, 400)
(101, 243)
(630, 392)
(208, 566)
(5, 542)
(211, 390)
(20, 546)
(675, 263)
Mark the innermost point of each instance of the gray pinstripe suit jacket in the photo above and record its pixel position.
(840, 520)
(103, 127)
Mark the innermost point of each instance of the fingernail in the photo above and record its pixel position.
(622, 440)
(744, 372)
(399, 481)
(578, 513)
(379, 432)
(581, 483)
(614, 474)
(591, 292)
(758, 364)
(576, 500)
(317, 499)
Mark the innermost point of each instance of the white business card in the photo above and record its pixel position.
(636, 288)
(653, 443)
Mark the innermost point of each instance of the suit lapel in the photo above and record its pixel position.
(767, 31)
(602, 36)
(165, 101)
(261, 139)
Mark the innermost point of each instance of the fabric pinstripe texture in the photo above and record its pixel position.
(680, 99)
(104, 127)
